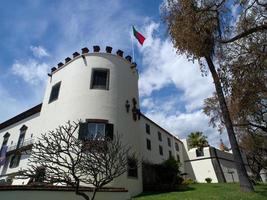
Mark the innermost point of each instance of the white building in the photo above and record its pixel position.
(213, 163)
(102, 89)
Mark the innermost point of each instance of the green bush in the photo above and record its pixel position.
(208, 180)
(162, 177)
(189, 181)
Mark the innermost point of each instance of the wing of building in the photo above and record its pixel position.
(101, 88)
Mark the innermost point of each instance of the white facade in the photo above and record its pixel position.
(78, 100)
(213, 163)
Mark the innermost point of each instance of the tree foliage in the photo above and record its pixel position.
(197, 140)
(205, 30)
(243, 73)
(191, 27)
(60, 157)
(255, 147)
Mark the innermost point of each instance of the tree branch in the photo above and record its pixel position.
(245, 33)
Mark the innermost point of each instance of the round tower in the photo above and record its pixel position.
(97, 87)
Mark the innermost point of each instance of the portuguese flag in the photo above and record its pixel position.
(138, 36)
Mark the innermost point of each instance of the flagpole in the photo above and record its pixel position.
(132, 45)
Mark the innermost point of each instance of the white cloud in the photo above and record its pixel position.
(163, 67)
(86, 27)
(147, 103)
(182, 124)
(31, 71)
(39, 51)
(9, 105)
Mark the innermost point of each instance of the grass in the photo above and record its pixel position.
(212, 191)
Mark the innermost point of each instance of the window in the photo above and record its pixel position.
(3, 149)
(100, 79)
(178, 158)
(147, 129)
(132, 168)
(54, 92)
(160, 150)
(170, 154)
(159, 136)
(14, 162)
(169, 142)
(148, 144)
(199, 152)
(21, 136)
(176, 146)
(6, 137)
(95, 130)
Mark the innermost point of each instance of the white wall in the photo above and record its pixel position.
(77, 101)
(153, 155)
(33, 123)
(202, 166)
(214, 164)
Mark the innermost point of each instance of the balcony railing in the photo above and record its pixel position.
(23, 144)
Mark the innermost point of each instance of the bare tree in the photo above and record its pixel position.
(60, 157)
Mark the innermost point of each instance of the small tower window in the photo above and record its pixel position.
(160, 150)
(169, 142)
(148, 144)
(147, 129)
(54, 92)
(100, 79)
(159, 136)
(199, 152)
(176, 146)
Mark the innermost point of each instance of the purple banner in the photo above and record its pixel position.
(3, 155)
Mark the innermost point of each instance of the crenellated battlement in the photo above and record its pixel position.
(86, 51)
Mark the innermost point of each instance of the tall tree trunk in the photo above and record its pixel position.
(85, 196)
(244, 181)
(94, 193)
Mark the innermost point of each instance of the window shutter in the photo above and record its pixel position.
(82, 131)
(109, 131)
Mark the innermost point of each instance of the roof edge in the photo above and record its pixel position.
(161, 128)
(21, 116)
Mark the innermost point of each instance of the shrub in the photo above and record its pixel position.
(162, 177)
(208, 180)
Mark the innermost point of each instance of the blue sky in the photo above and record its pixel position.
(36, 35)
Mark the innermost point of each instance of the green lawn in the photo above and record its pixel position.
(213, 191)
